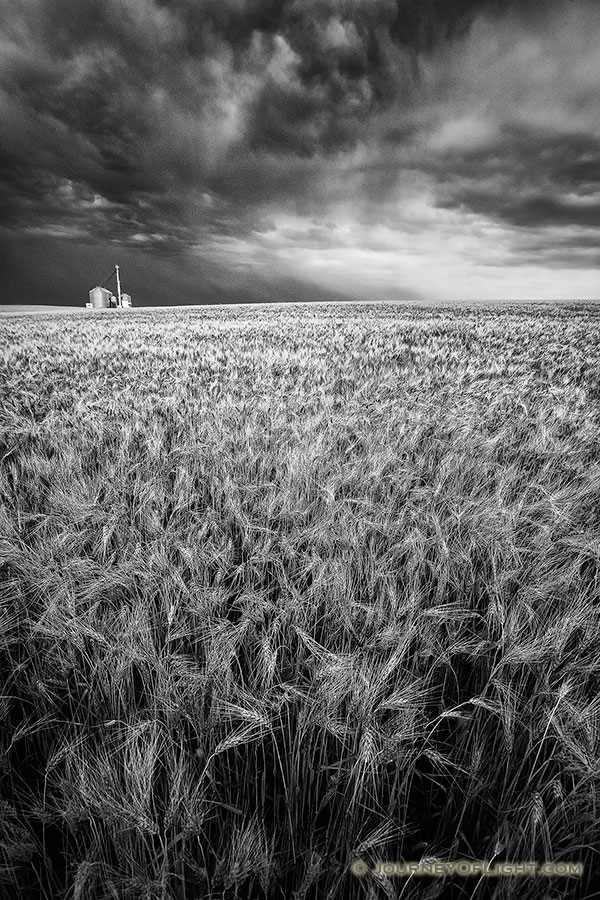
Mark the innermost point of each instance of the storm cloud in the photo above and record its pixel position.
(285, 138)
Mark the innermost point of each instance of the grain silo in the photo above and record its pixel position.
(100, 298)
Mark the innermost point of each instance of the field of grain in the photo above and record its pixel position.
(288, 587)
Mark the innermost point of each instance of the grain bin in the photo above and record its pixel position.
(100, 298)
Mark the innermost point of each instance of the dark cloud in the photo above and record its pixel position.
(189, 126)
(533, 209)
(527, 177)
(34, 272)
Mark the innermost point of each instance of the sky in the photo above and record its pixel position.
(247, 150)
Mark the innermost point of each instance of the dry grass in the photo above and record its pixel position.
(287, 587)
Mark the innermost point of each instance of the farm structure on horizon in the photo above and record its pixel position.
(102, 298)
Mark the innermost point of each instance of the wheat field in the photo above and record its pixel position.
(288, 587)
